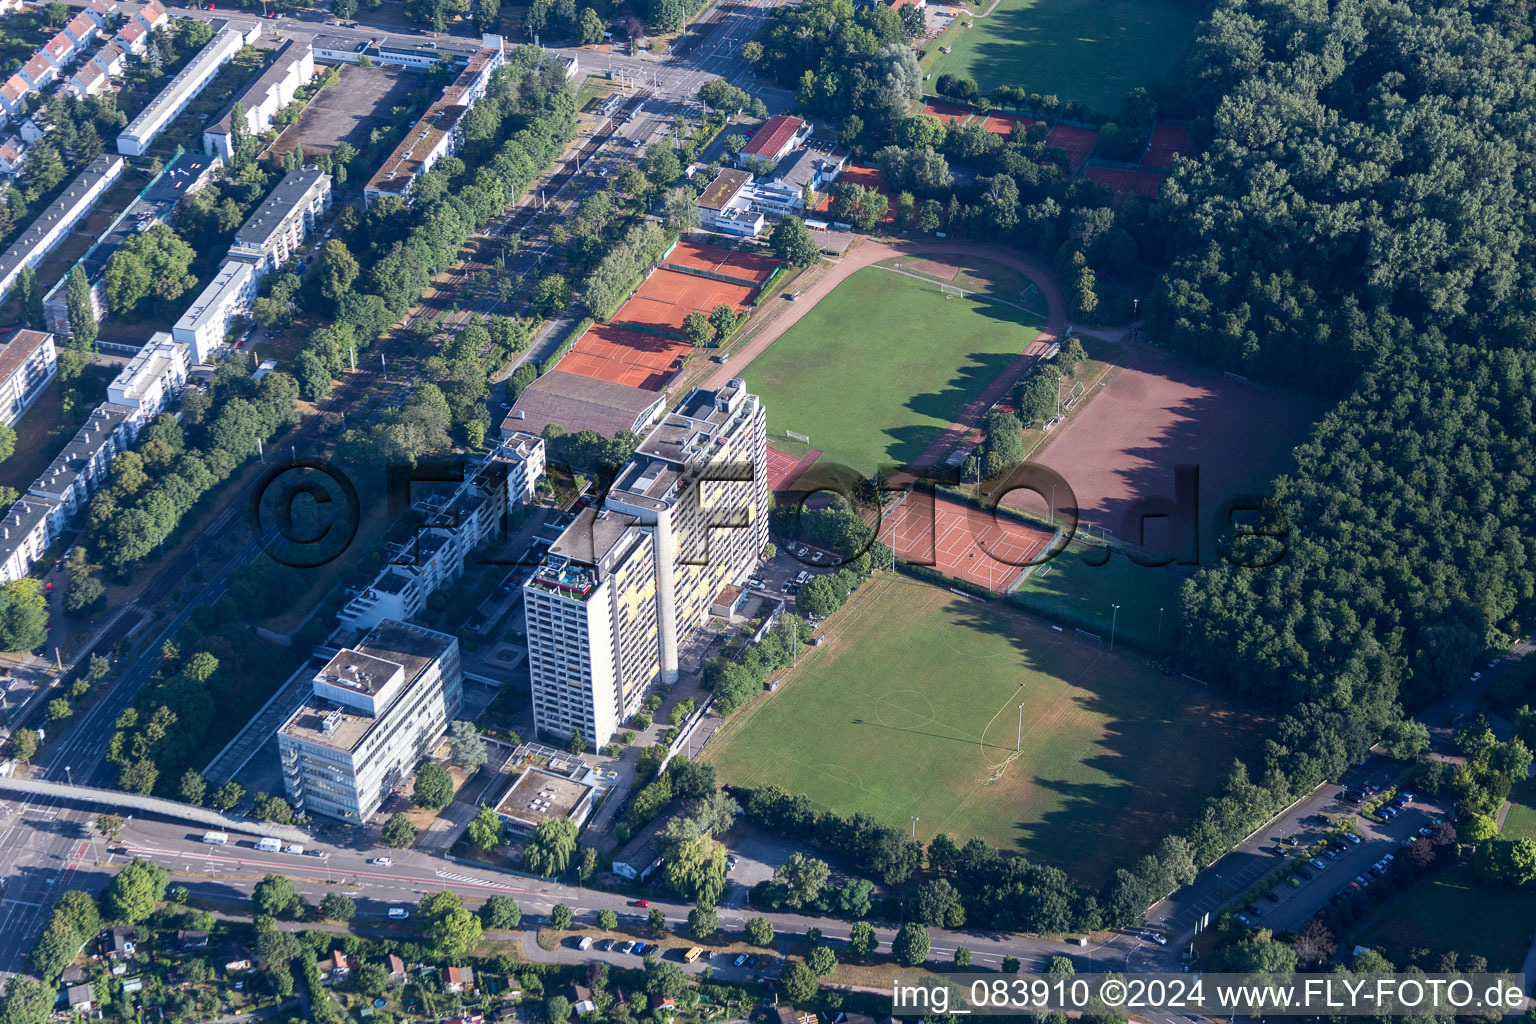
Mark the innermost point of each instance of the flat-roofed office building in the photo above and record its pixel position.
(374, 711)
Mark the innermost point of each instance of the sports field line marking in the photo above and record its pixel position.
(984, 296)
(1060, 711)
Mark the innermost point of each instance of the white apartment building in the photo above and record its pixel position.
(451, 527)
(135, 140)
(276, 231)
(28, 361)
(54, 223)
(152, 377)
(272, 90)
(37, 520)
(267, 240)
(375, 710)
(437, 134)
(205, 324)
(523, 454)
(686, 518)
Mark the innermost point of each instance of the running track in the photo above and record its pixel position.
(869, 252)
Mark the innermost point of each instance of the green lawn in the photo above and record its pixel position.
(1092, 51)
(884, 363)
(1453, 913)
(1521, 821)
(909, 707)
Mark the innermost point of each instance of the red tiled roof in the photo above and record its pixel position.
(59, 46)
(82, 26)
(38, 67)
(772, 136)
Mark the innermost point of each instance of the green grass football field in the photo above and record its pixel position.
(910, 707)
(882, 364)
(1092, 51)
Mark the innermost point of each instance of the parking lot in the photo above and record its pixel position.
(1237, 872)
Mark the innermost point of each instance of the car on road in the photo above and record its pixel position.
(639, 903)
(399, 913)
(382, 862)
(1424, 830)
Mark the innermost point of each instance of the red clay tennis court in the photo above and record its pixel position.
(869, 177)
(784, 470)
(1141, 183)
(1002, 124)
(742, 267)
(960, 541)
(949, 113)
(620, 356)
(1167, 141)
(666, 297)
(1078, 142)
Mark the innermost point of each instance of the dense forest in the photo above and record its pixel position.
(1359, 224)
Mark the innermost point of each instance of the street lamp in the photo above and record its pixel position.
(1112, 620)
(1159, 627)
(68, 776)
(914, 828)
(1019, 746)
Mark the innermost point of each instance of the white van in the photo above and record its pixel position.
(399, 913)
(585, 943)
(215, 838)
(294, 848)
(268, 845)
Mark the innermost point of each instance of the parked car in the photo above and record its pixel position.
(1272, 896)
(641, 948)
(1315, 862)
(399, 913)
(1352, 838)
(741, 960)
(628, 947)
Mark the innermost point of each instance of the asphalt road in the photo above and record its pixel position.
(231, 872)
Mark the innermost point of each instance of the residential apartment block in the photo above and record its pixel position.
(438, 133)
(264, 242)
(451, 527)
(28, 361)
(156, 204)
(139, 393)
(277, 229)
(191, 80)
(54, 224)
(374, 711)
(686, 518)
(272, 90)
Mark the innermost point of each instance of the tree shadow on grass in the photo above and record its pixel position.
(1158, 762)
